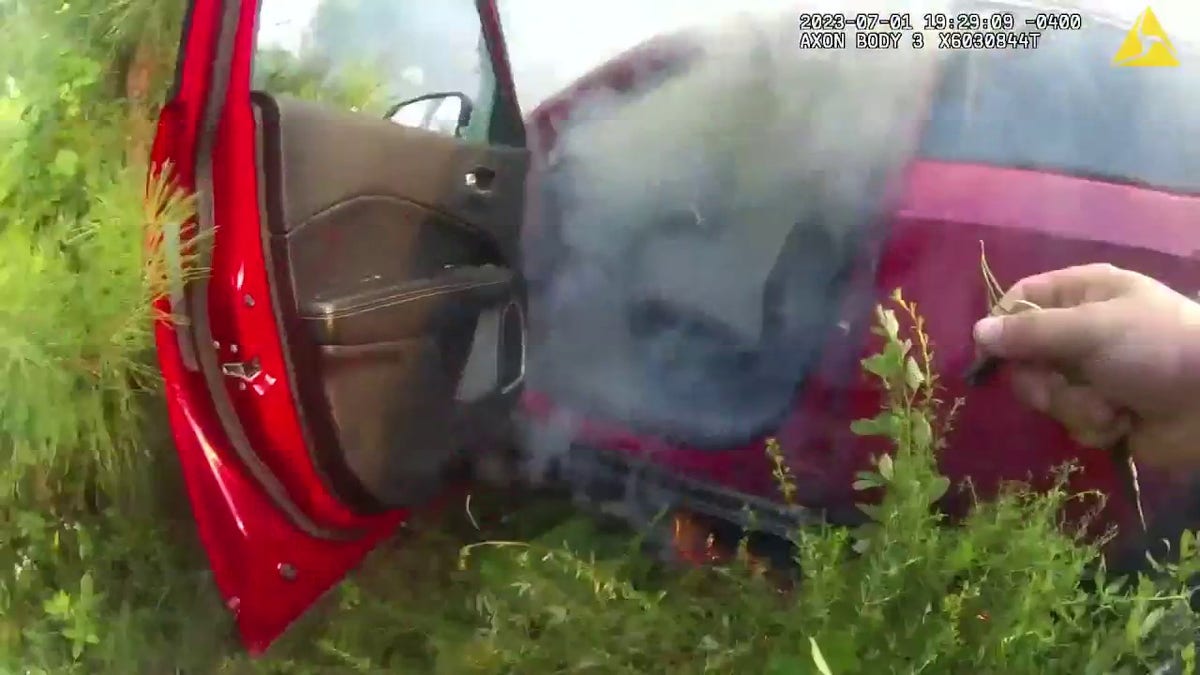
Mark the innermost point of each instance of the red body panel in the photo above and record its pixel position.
(267, 569)
(1030, 222)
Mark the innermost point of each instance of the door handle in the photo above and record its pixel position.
(480, 181)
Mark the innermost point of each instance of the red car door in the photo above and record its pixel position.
(358, 300)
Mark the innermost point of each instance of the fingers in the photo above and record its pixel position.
(1082, 312)
(1093, 422)
(1090, 419)
(1072, 286)
(1047, 335)
(1071, 322)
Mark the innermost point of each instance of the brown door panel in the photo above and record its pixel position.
(428, 305)
(359, 197)
(393, 253)
(377, 242)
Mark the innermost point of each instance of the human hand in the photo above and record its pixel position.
(1109, 353)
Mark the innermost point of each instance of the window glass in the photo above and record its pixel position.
(1064, 107)
(370, 55)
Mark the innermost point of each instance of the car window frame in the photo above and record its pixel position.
(489, 123)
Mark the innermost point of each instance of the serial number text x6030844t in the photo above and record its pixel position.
(977, 39)
(948, 40)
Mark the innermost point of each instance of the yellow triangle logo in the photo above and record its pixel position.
(1146, 44)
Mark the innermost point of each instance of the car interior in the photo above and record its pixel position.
(403, 306)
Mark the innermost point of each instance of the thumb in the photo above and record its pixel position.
(1055, 334)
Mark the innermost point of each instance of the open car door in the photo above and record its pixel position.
(359, 305)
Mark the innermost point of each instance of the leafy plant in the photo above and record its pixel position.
(88, 556)
(352, 86)
(1010, 589)
(89, 547)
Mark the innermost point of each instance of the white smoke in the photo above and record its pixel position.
(702, 227)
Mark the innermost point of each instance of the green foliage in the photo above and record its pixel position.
(1004, 591)
(62, 98)
(99, 571)
(74, 334)
(86, 559)
(313, 78)
(88, 551)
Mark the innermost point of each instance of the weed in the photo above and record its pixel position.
(1003, 591)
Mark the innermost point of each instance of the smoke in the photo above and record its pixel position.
(689, 239)
(694, 235)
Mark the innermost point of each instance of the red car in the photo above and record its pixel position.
(382, 299)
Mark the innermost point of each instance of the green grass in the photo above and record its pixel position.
(100, 571)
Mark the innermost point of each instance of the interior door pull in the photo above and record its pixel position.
(480, 180)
